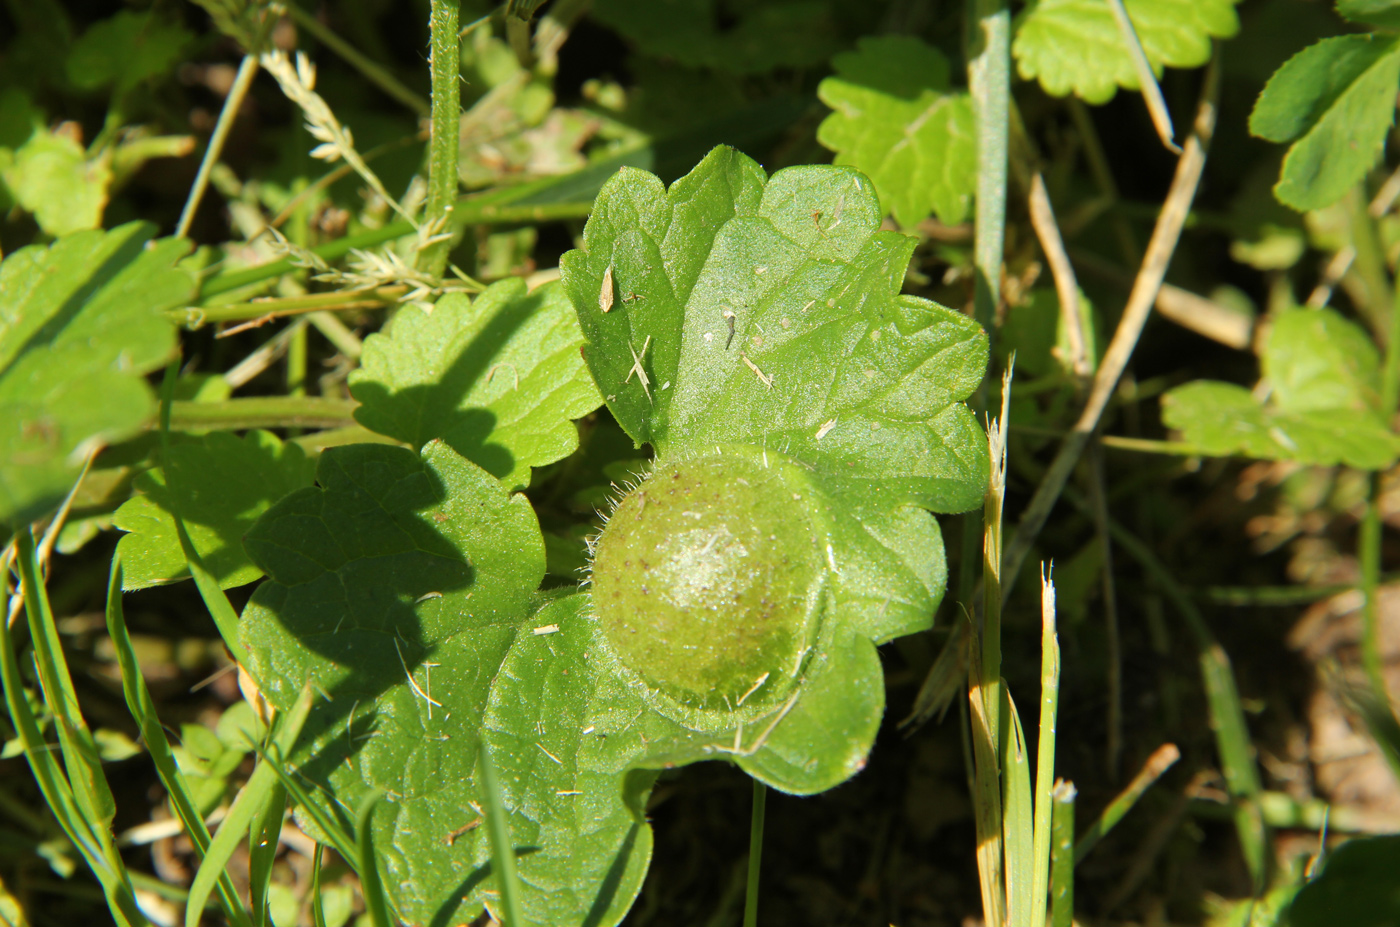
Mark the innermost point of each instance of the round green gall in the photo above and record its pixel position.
(708, 578)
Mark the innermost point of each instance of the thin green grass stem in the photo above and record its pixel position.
(1227, 714)
(444, 139)
(247, 70)
(1369, 553)
(1158, 763)
(374, 72)
(143, 710)
(220, 609)
(502, 847)
(77, 808)
(371, 885)
(318, 908)
(1062, 856)
(247, 806)
(760, 804)
(1045, 750)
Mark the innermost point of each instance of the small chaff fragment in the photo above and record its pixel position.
(762, 377)
(605, 295)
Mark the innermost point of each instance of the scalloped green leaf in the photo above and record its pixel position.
(898, 119)
(1323, 407)
(125, 49)
(1335, 101)
(1074, 46)
(396, 585)
(498, 378)
(404, 586)
(218, 484)
(836, 406)
(52, 177)
(90, 302)
(1384, 13)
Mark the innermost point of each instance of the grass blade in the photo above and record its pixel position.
(1018, 831)
(81, 758)
(1045, 748)
(1062, 855)
(220, 609)
(1147, 81)
(760, 804)
(371, 885)
(143, 710)
(1158, 763)
(94, 843)
(252, 799)
(262, 850)
(502, 849)
(318, 909)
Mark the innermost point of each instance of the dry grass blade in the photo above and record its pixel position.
(1151, 93)
(1066, 287)
(1165, 236)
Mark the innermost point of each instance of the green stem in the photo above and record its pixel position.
(194, 317)
(989, 78)
(247, 70)
(760, 804)
(473, 211)
(1369, 553)
(264, 412)
(372, 70)
(444, 139)
(1369, 265)
(502, 847)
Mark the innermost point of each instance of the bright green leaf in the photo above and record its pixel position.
(768, 34)
(91, 302)
(499, 379)
(1317, 361)
(1335, 101)
(218, 484)
(396, 564)
(404, 586)
(1384, 13)
(1323, 408)
(52, 177)
(898, 120)
(124, 50)
(823, 342)
(1074, 46)
(1357, 887)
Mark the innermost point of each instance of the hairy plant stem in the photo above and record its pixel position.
(989, 78)
(444, 137)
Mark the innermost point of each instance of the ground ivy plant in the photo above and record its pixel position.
(805, 420)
